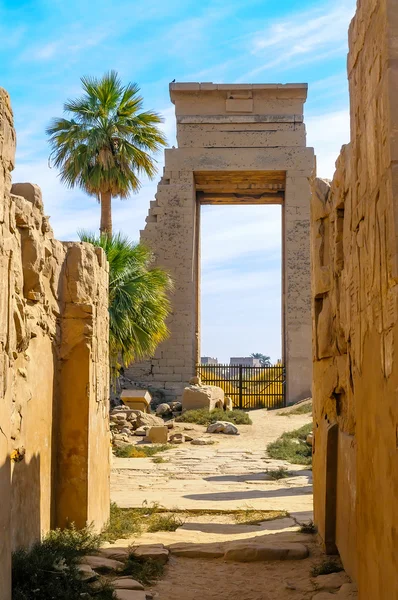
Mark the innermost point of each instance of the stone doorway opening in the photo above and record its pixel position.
(237, 143)
(240, 283)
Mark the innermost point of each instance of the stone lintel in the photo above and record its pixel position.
(297, 88)
(221, 119)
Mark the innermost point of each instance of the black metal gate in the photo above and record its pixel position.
(249, 387)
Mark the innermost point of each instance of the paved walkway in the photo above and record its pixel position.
(230, 475)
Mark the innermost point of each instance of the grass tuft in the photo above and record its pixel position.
(250, 516)
(279, 473)
(309, 527)
(328, 566)
(49, 569)
(292, 446)
(159, 460)
(139, 451)
(169, 522)
(202, 416)
(301, 409)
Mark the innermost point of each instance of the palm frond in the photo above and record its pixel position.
(138, 297)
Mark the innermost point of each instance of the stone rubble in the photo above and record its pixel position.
(223, 427)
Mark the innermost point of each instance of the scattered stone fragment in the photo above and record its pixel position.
(101, 563)
(176, 406)
(141, 431)
(177, 438)
(155, 552)
(202, 442)
(242, 552)
(188, 438)
(222, 427)
(195, 381)
(170, 424)
(163, 409)
(332, 581)
(86, 573)
(129, 595)
(148, 420)
(231, 429)
(127, 583)
(309, 439)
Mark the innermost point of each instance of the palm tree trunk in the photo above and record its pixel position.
(106, 214)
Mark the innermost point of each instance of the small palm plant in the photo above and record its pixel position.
(106, 145)
(138, 298)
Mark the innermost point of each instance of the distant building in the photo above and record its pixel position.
(208, 360)
(246, 361)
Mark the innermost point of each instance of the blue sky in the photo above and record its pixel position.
(46, 46)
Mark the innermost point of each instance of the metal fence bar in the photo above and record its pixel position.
(249, 387)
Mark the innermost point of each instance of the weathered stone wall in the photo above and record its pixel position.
(54, 434)
(252, 138)
(355, 318)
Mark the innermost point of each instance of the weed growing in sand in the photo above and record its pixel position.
(309, 527)
(279, 473)
(138, 451)
(292, 446)
(326, 567)
(161, 522)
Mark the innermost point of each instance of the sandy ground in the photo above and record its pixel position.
(229, 475)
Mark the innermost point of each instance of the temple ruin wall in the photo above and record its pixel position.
(355, 318)
(54, 372)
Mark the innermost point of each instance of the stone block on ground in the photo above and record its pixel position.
(197, 550)
(127, 583)
(129, 595)
(117, 553)
(242, 552)
(202, 442)
(158, 435)
(155, 552)
(205, 396)
(332, 581)
(136, 399)
(101, 563)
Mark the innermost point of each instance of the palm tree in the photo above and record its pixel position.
(265, 361)
(105, 146)
(138, 302)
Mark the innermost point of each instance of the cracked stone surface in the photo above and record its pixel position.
(230, 475)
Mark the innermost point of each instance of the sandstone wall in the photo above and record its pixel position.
(54, 435)
(355, 318)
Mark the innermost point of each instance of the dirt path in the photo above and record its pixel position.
(229, 475)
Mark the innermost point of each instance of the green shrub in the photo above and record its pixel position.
(202, 416)
(292, 446)
(49, 569)
(309, 527)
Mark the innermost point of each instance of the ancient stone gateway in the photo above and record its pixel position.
(237, 144)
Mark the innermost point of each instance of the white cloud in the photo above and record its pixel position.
(326, 133)
(302, 38)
